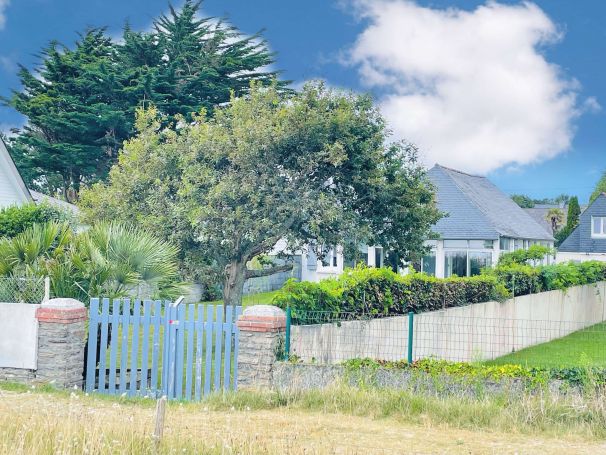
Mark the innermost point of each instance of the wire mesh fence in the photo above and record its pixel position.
(330, 338)
(22, 290)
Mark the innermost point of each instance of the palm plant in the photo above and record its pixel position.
(556, 218)
(110, 259)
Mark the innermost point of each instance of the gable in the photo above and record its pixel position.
(580, 240)
(12, 189)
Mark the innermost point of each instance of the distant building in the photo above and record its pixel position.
(588, 240)
(12, 188)
(481, 223)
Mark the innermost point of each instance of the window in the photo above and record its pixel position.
(428, 264)
(455, 263)
(455, 244)
(480, 244)
(378, 256)
(598, 226)
(518, 244)
(334, 257)
(505, 244)
(478, 261)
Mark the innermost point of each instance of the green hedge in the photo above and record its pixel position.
(380, 291)
(16, 219)
(524, 279)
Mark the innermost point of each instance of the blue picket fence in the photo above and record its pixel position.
(154, 348)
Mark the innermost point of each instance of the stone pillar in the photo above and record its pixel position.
(262, 330)
(61, 340)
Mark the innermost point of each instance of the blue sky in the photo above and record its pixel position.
(511, 90)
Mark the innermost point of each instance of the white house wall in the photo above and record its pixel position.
(579, 257)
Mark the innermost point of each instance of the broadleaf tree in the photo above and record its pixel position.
(314, 169)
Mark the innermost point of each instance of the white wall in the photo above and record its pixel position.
(579, 257)
(18, 335)
(473, 332)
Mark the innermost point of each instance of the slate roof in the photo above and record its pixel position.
(580, 240)
(478, 209)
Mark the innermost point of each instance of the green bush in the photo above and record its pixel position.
(380, 291)
(534, 253)
(520, 279)
(16, 219)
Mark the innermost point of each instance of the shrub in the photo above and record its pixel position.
(380, 291)
(522, 279)
(534, 253)
(16, 219)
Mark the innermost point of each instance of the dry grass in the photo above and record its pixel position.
(55, 423)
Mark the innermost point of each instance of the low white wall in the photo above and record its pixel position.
(18, 335)
(480, 331)
(579, 257)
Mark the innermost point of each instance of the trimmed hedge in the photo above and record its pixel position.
(380, 291)
(524, 279)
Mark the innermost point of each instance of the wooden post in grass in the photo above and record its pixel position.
(159, 430)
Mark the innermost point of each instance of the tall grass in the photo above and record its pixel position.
(61, 422)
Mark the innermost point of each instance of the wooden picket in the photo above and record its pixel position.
(154, 348)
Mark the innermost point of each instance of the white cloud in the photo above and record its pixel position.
(471, 88)
(3, 6)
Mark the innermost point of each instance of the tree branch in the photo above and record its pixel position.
(267, 272)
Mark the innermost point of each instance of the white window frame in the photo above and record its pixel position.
(602, 234)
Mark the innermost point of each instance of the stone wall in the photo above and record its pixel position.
(60, 341)
(261, 339)
(289, 377)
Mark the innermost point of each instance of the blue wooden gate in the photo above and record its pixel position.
(154, 348)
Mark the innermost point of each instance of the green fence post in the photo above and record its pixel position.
(411, 317)
(287, 342)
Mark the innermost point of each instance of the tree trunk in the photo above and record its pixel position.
(235, 276)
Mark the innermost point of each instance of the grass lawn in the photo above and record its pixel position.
(263, 298)
(339, 421)
(583, 348)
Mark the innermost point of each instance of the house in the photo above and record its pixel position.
(588, 240)
(12, 188)
(481, 223)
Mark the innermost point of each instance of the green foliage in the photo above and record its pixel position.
(600, 188)
(81, 101)
(523, 201)
(555, 217)
(380, 291)
(214, 185)
(532, 254)
(16, 219)
(576, 376)
(574, 212)
(367, 291)
(521, 279)
(112, 260)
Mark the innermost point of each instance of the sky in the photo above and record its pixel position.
(512, 90)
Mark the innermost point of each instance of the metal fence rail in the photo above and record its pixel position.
(330, 338)
(23, 290)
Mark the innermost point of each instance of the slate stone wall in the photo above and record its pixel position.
(261, 336)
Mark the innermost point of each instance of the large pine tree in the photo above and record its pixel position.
(75, 121)
(81, 102)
